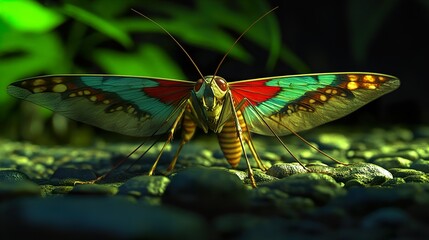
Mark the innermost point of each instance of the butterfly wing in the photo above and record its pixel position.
(135, 106)
(301, 102)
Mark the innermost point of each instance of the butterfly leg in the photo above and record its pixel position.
(169, 138)
(188, 131)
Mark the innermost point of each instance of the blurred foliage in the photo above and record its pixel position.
(77, 37)
(72, 36)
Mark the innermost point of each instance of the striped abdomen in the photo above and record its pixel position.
(229, 141)
(188, 126)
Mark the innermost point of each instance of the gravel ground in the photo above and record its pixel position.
(382, 194)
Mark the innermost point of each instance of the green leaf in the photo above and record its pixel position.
(197, 35)
(108, 27)
(150, 60)
(46, 58)
(28, 16)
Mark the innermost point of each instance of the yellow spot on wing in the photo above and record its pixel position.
(39, 89)
(59, 88)
(353, 78)
(323, 97)
(39, 82)
(369, 78)
(93, 98)
(57, 80)
(352, 85)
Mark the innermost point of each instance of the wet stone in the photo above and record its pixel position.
(260, 177)
(392, 162)
(206, 190)
(394, 181)
(363, 172)
(78, 217)
(94, 189)
(421, 165)
(12, 175)
(417, 179)
(328, 141)
(386, 218)
(62, 189)
(23, 188)
(281, 170)
(69, 176)
(365, 155)
(404, 172)
(145, 186)
(319, 187)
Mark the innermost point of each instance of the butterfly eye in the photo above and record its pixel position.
(221, 83)
(198, 85)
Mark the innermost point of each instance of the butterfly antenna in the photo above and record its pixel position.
(238, 39)
(174, 39)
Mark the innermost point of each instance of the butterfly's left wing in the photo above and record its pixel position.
(135, 106)
(301, 102)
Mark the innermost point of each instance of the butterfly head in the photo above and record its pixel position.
(210, 93)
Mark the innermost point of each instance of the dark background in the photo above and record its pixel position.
(387, 37)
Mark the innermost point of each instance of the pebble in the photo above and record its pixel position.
(69, 176)
(417, 178)
(12, 175)
(18, 189)
(318, 187)
(94, 189)
(386, 218)
(328, 141)
(392, 162)
(153, 186)
(404, 172)
(421, 165)
(281, 170)
(362, 172)
(87, 217)
(206, 190)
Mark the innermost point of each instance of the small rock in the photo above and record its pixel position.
(392, 162)
(78, 217)
(318, 187)
(23, 188)
(206, 190)
(94, 189)
(394, 181)
(361, 154)
(12, 175)
(404, 172)
(69, 176)
(145, 186)
(421, 165)
(260, 177)
(281, 170)
(386, 218)
(417, 179)
(328, 141)
(363, 172)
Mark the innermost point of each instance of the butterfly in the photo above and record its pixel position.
(150, 106)
(147, 106)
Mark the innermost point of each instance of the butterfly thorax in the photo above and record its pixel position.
(210, 101)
